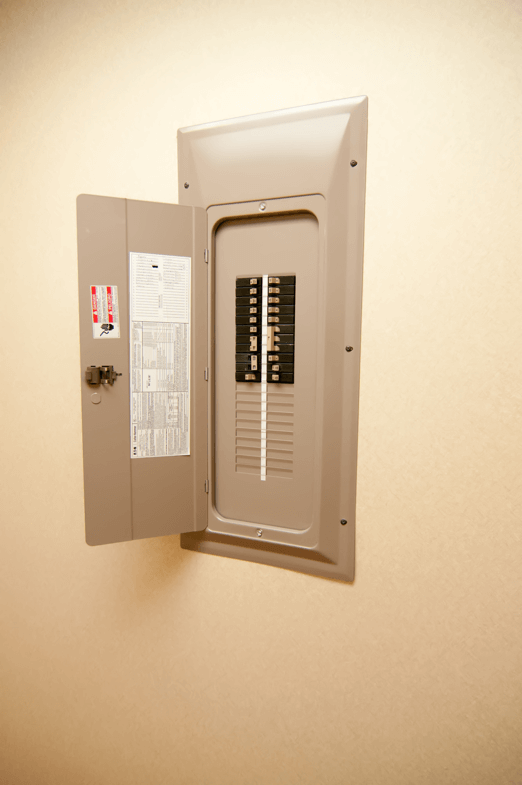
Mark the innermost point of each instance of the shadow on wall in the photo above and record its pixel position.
(143, 572)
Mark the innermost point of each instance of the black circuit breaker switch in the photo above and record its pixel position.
(248, 329)
(281, 329)
(265, 323)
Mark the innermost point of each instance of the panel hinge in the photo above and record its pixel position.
(205, 255)
(206, 486)
(206, 374)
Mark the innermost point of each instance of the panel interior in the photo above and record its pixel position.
(279, 490)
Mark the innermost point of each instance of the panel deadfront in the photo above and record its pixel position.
(264, 465)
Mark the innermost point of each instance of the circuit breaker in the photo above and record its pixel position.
(265, 329)
(220, 344)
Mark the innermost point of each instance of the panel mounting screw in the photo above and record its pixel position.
(262, 207)
(353, 163)
(259, 532)
(185, 185)
(343, 521)
(349, 348)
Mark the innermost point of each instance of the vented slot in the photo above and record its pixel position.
(278, 418)
(283, 473)
(247, 469)
(280, 462)
(241, 450)
(243, 441)
(245, 460)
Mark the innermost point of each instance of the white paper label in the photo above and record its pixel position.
(160, 355)
(105, 313)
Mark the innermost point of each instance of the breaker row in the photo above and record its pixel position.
(279, 300)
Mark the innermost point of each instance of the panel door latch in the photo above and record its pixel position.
(101, 374)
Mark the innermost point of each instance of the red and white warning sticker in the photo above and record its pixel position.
(105, 313)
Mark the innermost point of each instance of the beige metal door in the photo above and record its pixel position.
(143, 313)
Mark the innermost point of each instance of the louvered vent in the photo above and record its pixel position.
(279, 432)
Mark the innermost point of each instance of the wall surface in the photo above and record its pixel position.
(141, 664)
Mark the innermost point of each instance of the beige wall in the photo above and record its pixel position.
(140, 664)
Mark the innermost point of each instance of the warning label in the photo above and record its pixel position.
(160, 355)
(105, 313)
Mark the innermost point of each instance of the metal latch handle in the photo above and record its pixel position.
(101, 374)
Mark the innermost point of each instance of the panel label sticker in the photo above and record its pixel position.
(105, 313)
(160, 288)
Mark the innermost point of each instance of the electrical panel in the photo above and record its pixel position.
(220, 344)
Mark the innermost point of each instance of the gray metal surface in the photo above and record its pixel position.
(129, 499)
(278, 165)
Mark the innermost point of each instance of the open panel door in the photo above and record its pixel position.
(143, 335)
